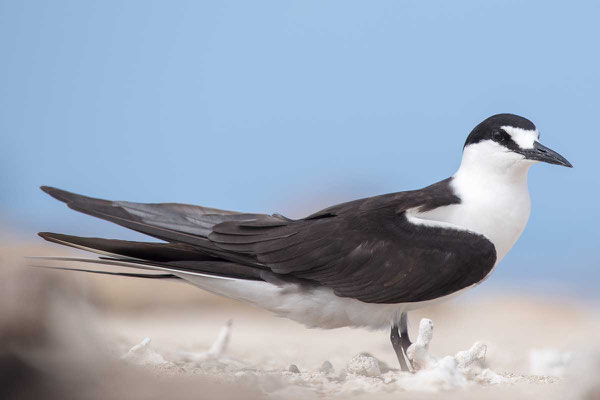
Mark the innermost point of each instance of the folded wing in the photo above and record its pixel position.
(375, 257)
(365, 249)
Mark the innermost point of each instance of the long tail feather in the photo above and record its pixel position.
(172, 257)
(160, 252)
(171, 222)
(125, 274)
(180, 272)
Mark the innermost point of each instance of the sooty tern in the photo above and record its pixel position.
(364, 263)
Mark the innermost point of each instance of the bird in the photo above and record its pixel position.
(364, 263)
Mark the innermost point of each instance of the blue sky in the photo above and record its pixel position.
(291, 106)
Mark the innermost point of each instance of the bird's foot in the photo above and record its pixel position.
(401, 342)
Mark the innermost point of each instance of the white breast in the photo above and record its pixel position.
(494, 199)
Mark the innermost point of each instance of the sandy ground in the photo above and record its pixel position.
(70, 335)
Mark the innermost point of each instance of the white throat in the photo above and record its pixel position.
(492, 186)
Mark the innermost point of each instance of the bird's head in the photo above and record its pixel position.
(508, 142)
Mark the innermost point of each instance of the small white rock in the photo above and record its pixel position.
(364, 365)
(475, 355)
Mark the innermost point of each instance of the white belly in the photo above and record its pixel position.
(318, 307)
(314, 308)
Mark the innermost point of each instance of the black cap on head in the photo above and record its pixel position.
(486, 129)
(499, 129)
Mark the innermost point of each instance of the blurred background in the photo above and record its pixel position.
(289, 107)
(292, 106)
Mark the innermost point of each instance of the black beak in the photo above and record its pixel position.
(544, 154)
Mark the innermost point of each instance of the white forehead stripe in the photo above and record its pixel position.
(522, 137)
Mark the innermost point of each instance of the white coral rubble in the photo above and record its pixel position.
(216, 351)
(143, 354)
(364, 365)
(450, 371)
(364, 373)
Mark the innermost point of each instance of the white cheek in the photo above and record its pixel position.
(488, 156)
(525, 139)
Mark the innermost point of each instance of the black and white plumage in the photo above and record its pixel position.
(364, 263)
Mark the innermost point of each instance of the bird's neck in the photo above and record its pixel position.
(487, 170)
(494, 199)
(483, 180)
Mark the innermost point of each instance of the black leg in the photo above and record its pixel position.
(401, 342)
(404, 339)
(397, 344)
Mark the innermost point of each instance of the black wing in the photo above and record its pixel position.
(368, 250)
(365, 249)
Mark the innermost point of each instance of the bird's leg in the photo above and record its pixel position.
(397, 344)
(401, 342)
(404, 339)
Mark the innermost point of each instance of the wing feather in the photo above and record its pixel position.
(365, 249)
(368, 250)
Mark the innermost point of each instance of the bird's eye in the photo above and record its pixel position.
(497, 135)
